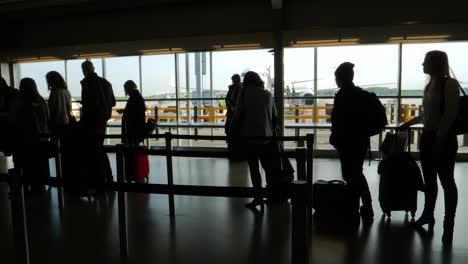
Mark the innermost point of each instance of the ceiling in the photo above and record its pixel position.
(66, 27)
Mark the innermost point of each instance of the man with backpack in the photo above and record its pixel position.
(357, 115)
(97, 100)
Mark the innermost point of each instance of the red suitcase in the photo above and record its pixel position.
(136, 167)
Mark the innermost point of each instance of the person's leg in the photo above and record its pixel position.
(445, 170)
(270, 161)
(428, 165)
(255, 175)
(351, 168)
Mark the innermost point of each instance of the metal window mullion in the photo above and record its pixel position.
(177, 93)
(103, 65)
(211, 89)
(400, 68)
(187, 89)
(315, 93)
(65, 63)
(140, 73)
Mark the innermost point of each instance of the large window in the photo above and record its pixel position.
(38, 70)
(158, 76)
(376, 67)
(75, 75)
(298, 73)
(5, 72)
(119, 70)
(203, 79)
(413, 78)
(227, 63)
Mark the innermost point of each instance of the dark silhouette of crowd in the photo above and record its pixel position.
(251, 120)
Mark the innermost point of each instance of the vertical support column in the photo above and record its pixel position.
(195, 118)
(11, 71)
(156, 118)
(177, 93)
(170, 171)
(121, 202)
(58, 169)
(315, 111)
(279, 67)
(213, 112)
(140, 74)
(19, 219)
(400, 67)
(310, 175)
(301, 164)
(300, 234)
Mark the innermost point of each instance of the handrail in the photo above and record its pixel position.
(210, 113)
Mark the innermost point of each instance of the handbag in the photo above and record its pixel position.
(460, 125)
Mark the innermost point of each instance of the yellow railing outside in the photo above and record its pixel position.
(217, 113)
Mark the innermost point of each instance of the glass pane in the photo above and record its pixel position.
(298, 72)
(5, 72)
(75, 75)
(199, 75)
(158, 76)
(376, 67)
(38, 70)
(413, 78)
(119, 70)
(227, 63)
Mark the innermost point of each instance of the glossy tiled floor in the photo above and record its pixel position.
(219, 230)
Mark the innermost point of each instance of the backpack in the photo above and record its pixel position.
(460, 124)
(376, 116)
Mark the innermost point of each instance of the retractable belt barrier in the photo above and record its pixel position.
(299, 191)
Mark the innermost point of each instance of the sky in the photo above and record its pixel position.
(375, 65)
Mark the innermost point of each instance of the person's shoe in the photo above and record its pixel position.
(447, 236)
(254, 203)
(367, 213)
(424, 220)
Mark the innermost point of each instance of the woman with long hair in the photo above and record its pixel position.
(59, 101)
(28, 123)
(257, 114)
(438, 145)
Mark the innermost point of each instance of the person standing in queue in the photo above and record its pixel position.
(438, 144)
(349, 138)
(97, 100)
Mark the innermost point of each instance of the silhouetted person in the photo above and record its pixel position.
(28, 123)
(232, 99)
(133, 119)
(60, 102)
(257, 113)
(97, 100)
(438, 145)
(349, 137)
(7, 95)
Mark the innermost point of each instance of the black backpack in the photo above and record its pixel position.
(375, 115)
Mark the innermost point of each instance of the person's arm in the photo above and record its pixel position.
(52, 104)
(274, 114)
(451, 97)
(335, 119)
(414, 121)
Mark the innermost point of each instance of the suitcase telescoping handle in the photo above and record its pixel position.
(408, 139)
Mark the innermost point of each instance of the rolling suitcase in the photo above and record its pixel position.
(334, 199)
(400, 178)
(136, 167)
